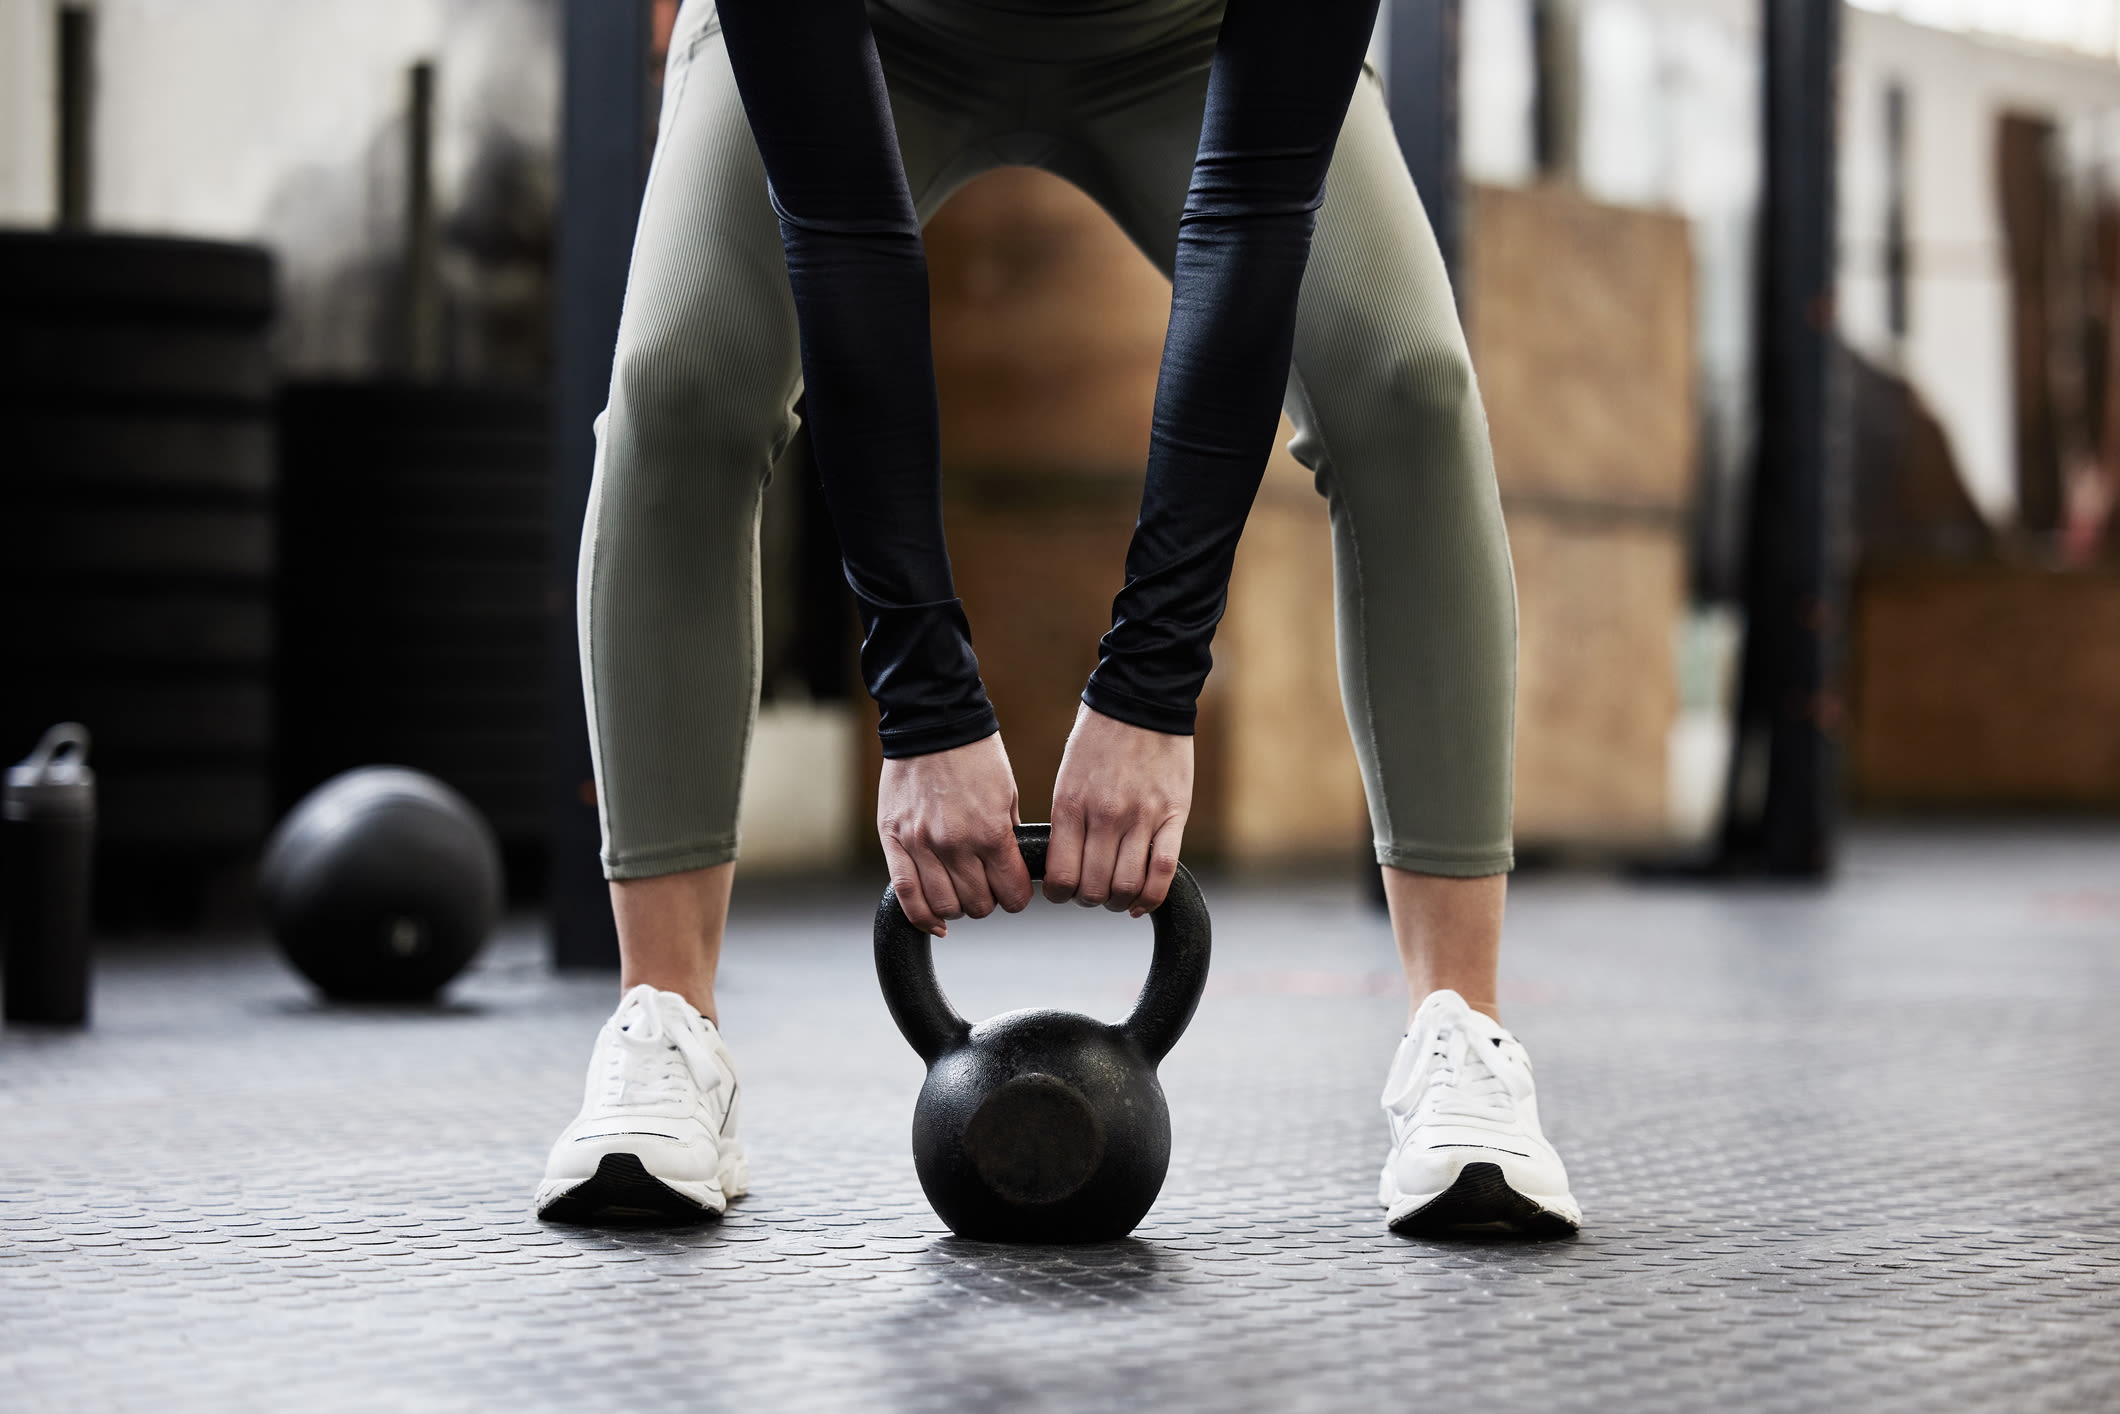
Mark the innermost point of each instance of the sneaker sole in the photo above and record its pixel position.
(623, 1191)
(1481, 1201)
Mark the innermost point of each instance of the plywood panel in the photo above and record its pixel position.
(1037, 561)
(1048, 326)
(1986, 685)
(1048, 330)
(1037, 583)
(1294, 791)
(1581, 322)
(1597, 692)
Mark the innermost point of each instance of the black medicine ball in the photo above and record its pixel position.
(381, 885)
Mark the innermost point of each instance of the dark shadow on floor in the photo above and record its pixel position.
(1089, 1274)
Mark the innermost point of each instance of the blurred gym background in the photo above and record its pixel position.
(1796, 324)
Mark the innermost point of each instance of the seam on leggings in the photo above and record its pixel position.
(649, 863)
(666, 122)
(1331, 473)
(1449, 865)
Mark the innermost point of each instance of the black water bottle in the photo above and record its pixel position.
(47, 836)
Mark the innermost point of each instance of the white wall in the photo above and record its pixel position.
(1497, 92)
(29, 46)
(1958, 348)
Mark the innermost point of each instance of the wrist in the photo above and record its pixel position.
(1170, 719)
(947, 734)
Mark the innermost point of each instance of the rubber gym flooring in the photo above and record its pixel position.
(1850, 1148)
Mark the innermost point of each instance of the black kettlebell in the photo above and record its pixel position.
(1044, 1126)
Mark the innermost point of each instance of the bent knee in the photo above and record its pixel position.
(1432, 380)
(698, 395)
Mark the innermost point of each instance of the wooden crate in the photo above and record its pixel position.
(1048, 331)
(1048, 327)
(1291, 792)
(1581, 323)
(1038, 559)
(1598, 601)
(1985, 684)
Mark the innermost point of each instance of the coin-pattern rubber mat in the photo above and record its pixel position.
(1842, 1148)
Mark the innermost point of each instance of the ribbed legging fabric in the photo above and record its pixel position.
(1382, 395)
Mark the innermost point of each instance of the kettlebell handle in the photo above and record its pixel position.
(1177, 972)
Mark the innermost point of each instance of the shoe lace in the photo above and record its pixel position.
(1461, 1083)
(655, 1061)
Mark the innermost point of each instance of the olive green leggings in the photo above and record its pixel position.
(1382, 396)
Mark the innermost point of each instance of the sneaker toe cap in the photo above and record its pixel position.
(1431, 1163)
(664, 1151)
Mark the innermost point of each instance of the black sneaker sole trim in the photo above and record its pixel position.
(623, 1193)
(1481, 1201)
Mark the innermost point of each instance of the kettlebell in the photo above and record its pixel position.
(1043, 1125)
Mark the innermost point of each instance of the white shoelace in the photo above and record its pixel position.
(1463, 1085)
(655, 1061)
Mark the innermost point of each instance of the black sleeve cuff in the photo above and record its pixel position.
(918, 664)
(925, 740)
(1171, 719)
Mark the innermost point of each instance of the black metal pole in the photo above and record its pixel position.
(1784, 792)
(603, 167)
(77, 113)
(1421, 47)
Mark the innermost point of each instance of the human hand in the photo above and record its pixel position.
(1119, 810)
(947, 822)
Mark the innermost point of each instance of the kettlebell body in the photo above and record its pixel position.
(1042, 1125)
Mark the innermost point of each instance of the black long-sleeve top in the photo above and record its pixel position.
(1283, 73)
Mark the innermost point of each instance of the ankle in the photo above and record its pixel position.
(669, 931)
(698, 992)
(1480, 1000)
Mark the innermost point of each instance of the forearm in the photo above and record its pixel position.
(814, 92)
(1277, 95)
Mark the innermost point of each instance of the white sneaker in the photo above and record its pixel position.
(1466, 1151)
(656, 1137)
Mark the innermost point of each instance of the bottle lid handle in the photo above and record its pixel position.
(60, 758)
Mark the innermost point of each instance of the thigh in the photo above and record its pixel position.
(708, 346)
(708, 357)
(1376, 303)
(1377, 331)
